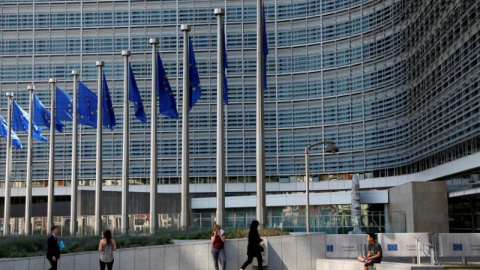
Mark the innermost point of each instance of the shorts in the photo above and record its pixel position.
(372, 261)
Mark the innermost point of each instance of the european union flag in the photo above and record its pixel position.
(87, 106)
(64, 108)
(195, 89)
(168, 106)
(20, 121)
(224, 74)
(134, 96)
(108, 113)
(265, 50)
(4, 132)
(42, 116)
(265, 40)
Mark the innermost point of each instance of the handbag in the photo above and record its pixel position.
(61, 245)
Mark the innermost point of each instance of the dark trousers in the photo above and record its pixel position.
(108, 265)
(250, 260)
(53, 264)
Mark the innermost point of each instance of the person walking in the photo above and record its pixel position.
(218, 248)
(255, 246)
(106, 247)
(53, 250)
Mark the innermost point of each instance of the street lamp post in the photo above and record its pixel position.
(331, 148)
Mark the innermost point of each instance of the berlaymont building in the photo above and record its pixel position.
(394, 84)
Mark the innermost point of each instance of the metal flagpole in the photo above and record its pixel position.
(51, 158)
(73, 203)
(260, 157)
(126, 145)
(331, 148)
(219, 12)
(307, 189)
(99, 162)
(28, 191)
(153, 140)
(6, 213)
(185, 209)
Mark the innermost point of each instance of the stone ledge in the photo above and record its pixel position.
(323, 264)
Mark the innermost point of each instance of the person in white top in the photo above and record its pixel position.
(106, 247)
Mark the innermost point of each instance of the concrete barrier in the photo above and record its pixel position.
(292, 252)
(393, 244)
(458, 244)
(323, 264)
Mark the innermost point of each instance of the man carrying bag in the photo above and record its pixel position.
(53, 250)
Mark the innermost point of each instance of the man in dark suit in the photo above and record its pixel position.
(53, 251)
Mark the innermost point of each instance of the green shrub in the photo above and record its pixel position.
(22, 246)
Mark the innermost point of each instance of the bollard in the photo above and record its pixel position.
(418, 252)
(432, 256)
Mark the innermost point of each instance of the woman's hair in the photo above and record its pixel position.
(372, 235)
(108, 236)
(216, 227)
(254, 225)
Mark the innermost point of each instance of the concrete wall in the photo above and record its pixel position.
(458, 244)
(323, 264)
(344, 246)
(292, 252)
(425, 205)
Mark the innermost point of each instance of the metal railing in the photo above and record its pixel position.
(423, 246)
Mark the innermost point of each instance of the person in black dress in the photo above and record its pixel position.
(254, 248)
(53, 250)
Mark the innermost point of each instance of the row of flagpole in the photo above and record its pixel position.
(51, 163)
(126, 137)
(221, 78)
(69, 110)
(262, 51)
(74, 176)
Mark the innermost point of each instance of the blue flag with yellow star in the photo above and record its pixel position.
(64, 108)
(224, 71)
(108, 113)
(41, 116)
(134, 96)
(20, 121)
(4, 132)
(166, 99)
(87, 106)
(265, 50)
(195, 89)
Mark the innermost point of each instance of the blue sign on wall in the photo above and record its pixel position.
(392, 247)
(329, 248)
(457, 247)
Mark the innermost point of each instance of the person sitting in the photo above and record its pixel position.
(374, 252)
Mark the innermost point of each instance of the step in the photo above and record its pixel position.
(462, 267)
(339, 264)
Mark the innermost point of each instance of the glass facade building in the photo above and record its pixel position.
(394, 83)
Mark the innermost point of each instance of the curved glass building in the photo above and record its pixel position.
(395, 84)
